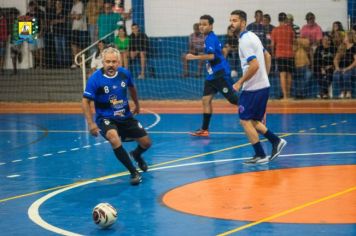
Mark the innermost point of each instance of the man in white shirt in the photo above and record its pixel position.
(254, 83)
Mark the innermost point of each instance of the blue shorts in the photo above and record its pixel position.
(252, 104)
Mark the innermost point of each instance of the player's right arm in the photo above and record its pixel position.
(268, 60)
(93, 128)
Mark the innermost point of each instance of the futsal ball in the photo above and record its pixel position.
(104, 215)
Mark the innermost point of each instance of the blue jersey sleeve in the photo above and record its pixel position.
(209, 45)
(90, 88)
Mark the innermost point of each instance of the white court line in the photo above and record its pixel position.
(96, 144)
(74, 149)
(63, 151)
(2, 163)
(31, 158)
(18, 160)
(87, 146)
(12, 176)
(47, 154)
(33, 211)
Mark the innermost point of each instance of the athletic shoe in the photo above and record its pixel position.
(140, 162)
(257, 160)
(277, 149)
(135, 178)
(200, 133)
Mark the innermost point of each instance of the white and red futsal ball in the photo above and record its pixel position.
(104, 215)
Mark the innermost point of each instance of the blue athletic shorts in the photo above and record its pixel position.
(252, 104)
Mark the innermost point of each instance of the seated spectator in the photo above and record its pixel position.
(122, 42)
(345, 64)
(302, 72)
(138, 47)
(324, 65)
(196, 47)
(231, 51)
(97, 59)
(3, 39)
(337, 34)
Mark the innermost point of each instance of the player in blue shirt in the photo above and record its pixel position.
(114, 120)
(219, 74)
(254, 83)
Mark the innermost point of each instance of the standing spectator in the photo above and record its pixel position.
(79, 28)
(122, 42)
(296, 28)
(218, 79)
(337, 34)
(266, 22)
(38, 44)
(59, 26)
(231, 51)
(3, 39)
(97, 58)
(49, 50)
(257, 27)
(345, 64)
(302, 72)
(138, 47)
(92, 11)
(254, 83)
(196, 47)
(108, 21)
(324, 65)
(282, 47)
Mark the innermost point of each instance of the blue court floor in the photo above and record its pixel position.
(52, 173)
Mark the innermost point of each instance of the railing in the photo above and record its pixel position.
(84, 59)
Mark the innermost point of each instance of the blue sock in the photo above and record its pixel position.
(271, 137)
(259, 149)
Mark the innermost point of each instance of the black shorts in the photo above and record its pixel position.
(221, 84)
(285, 64)
(128, 129)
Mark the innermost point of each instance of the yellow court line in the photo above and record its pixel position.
(286, 212)
(126, 173)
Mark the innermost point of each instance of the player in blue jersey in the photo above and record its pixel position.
(254, 83)
(219, 74)
(108, 89)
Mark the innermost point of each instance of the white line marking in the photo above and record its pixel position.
(33, 211)
(63, 151)
(87, 146)
(47, 154)
(158, 119)
(323, 126)
(31, 158)
(12, 176)
(18, 160)
(333, 124)
(74, 149)
(2, 163)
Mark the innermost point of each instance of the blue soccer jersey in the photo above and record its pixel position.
(110, 94)
(218, 66)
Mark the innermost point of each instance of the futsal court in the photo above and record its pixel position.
(52, 173)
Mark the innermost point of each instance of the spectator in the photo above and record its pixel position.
(324, 65)
(122, 42)
(138, 47)
(79, 29)
(108, 21)
(296, 28)
(92, 11)
(231, 51)
(49, 49)
(97, 59)
(257, 27)
(345, 64)
(282, 48)
(313, 32)
(302, 73)
(266, 22)
(337, 33)
(38, 44)
(196, 47)
(3, 39)
(59, 27)
(15, 47)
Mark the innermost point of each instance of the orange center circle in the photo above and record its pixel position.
(256, 195)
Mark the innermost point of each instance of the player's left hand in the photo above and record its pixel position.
(237, 85)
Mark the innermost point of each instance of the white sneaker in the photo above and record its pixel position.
(348, 94)
(73, 66)
(342, 95)
(277, 149)
(257, 160)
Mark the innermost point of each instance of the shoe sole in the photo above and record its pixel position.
(280, 150)
(199, 135)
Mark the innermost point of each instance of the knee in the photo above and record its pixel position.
(146, 144)
(113, 137)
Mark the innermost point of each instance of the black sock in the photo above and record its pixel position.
(271, 137)
(124, 158)
(138, 151)
(206, 121)
(259, 149)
